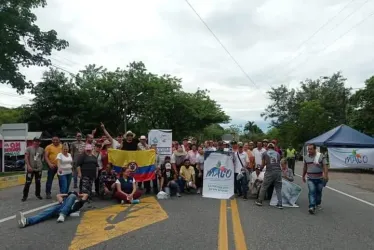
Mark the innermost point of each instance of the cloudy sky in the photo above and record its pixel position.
(274, 42)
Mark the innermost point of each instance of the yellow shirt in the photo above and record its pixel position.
(187, 173)
(52, 152)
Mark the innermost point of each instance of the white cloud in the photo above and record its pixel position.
(264, 37)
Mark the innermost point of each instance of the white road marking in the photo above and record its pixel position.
(28, 212)
(348, 195)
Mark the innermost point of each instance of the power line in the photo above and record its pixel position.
(223, 46)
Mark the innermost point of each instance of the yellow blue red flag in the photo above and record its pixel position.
(141, 162)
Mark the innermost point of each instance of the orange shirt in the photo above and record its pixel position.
(251, 159)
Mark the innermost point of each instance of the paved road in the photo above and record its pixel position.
(193, 222)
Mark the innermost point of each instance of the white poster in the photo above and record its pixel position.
(163, 138)
(14, 148)
(290, 194)
(351, 157)
(218, 176)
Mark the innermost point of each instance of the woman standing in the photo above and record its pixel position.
(64, 169)
(87, 170)
(126, 191)
(200, 169)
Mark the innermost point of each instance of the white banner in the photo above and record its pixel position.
(14, 148)
(163, 138)
(218, 176)
(290, 194)
(351, 157)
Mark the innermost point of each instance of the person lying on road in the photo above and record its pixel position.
(68, 203)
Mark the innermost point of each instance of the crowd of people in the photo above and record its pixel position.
(259, 168)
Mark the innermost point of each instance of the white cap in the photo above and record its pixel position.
(143, 137)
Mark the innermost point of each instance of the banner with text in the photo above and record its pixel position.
(14, 148)
(218, 176)
(290, 194)
(351, 157)
(163, 138)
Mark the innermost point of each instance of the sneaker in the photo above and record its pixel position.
(48, 196)
(198, 191)
(39, 197)
(279, 206)
(319, 207)
(312, 210)
(258, 203)
(24, 199)
(61, 218)
(21, 220)
(179, 195)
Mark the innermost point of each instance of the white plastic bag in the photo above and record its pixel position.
(162, 195)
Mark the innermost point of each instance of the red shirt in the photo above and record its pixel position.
(104, 158)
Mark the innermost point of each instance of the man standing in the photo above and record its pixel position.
(290, 155)
(77, 149)
(257, 153)
(50, 156)
(142, 145)
(241, 161)
(34, 164)
(273, 175)
(315, 169)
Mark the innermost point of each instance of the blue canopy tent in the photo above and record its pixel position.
(343, 136)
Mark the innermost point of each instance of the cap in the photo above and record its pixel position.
(88, 147)
(270, 145)
(265, 140)
(143, 137)
(234, 142)
(129, 133)
(36, 139)
(185, 139)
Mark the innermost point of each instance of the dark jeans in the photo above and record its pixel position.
(291, 164)
(147, 186)
(64, 208)
(272, 178)
(315, 187)
(182, 184)
(75, 176)
(174, 187)
(243, 184)
(237, 185)
(64, 183)
(29, 176)
(51, 175)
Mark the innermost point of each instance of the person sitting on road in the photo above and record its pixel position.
(107, 180)
(68, 204)
(126, 188)
(287, 173)
(168, 177)
(257, 177)
(187, 176)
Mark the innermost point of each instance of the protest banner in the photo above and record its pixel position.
(218, 175)
(351, 157)
(290, 194)
(14, 148)
(163, 138)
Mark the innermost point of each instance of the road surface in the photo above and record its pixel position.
(193, 222)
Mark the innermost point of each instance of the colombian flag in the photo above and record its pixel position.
(141, 162)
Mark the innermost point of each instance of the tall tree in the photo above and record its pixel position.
(22, 42)
(10, 115)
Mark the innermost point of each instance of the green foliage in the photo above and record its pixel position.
(8, 115)
(67, 104)
(22, 42)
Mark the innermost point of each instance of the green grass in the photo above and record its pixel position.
(11, 173)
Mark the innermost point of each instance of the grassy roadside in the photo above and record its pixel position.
(11, 173)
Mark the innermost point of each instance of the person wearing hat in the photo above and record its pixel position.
(257, 177)
(34, 164)
(87, 170)
(273, 175)
(265, 143)
(142, 145)
(241, 163)
(130, 143)
(168, 177)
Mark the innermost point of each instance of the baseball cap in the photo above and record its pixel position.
(143, 137)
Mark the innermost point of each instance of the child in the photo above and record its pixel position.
(243, 178)
(187, 176)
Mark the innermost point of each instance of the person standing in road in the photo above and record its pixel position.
(34, 164)
(65, 169)
(273, 175)
(290, 155)
(77, 149)
(316, 171)
(50, 156)
(257, 153)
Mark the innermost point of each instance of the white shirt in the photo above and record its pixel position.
(258, 155)
(200, 160)
(115, 144)
(65, 164)
(244, 160)
(254, 176)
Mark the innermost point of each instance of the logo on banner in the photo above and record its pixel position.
(356, 158)
(132, 166)
(219, 171)
(155, 141)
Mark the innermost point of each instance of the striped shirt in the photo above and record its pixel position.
(314, 165)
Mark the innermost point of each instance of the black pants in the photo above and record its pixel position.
(291, 164)
(237, 185)
(147, 186)
(29, 176)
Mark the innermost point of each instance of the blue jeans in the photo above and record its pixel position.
(50, 177)
(75, 177)
(64, 183)
(53, 211)
(315, 187)
(182, 184)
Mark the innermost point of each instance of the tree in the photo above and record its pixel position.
(22, 42)
(8, 115)
(251, 127)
